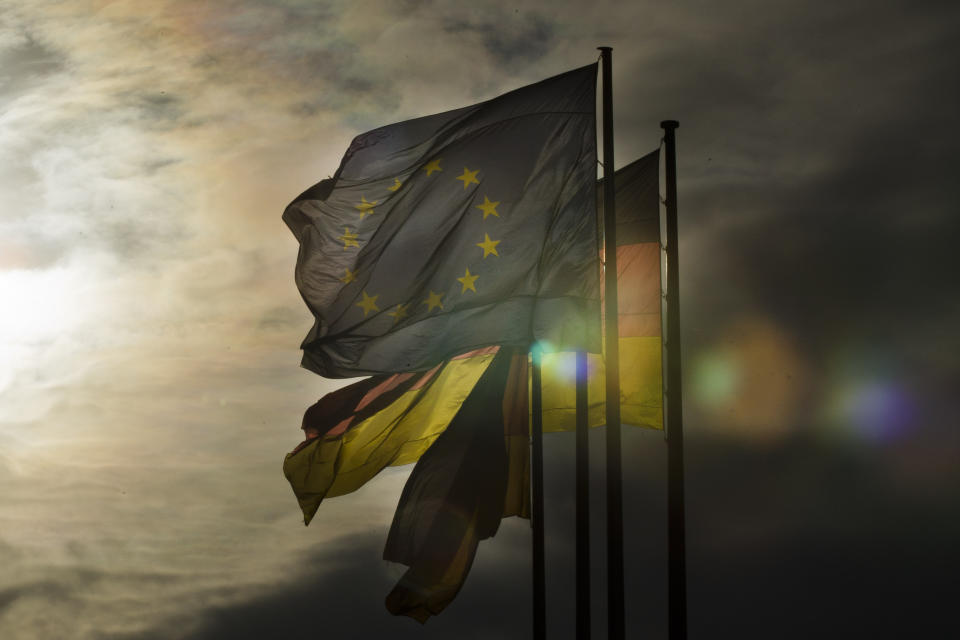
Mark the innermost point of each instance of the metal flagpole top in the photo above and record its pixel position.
(669, 124)
(605, 48)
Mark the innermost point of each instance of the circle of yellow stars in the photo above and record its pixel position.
(434, 300)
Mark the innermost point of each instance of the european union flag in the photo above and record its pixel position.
(455, 231)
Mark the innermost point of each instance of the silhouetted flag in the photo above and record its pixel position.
(638, 297)
(474, 474)
(455, 231)
(466, 421)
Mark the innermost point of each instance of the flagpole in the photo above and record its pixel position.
(615, 601)
(676, 518)
(536, 515)
(583, 502)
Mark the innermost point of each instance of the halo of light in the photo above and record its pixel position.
(37, 306)
(750, 381)
(545, 346)
(876, 409)
(716, 377)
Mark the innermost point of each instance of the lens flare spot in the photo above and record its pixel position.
(867, 398)
(877, 410)
(545, 346)
(750, 381)
(716, 378)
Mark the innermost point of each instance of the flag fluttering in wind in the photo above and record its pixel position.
(384, 420)
(638, 293)
(442, 248)
(475, 474)
(467, 422)
(356, 431)
(389, 420)
(455, 231)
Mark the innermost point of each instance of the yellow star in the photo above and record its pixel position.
(469, 177)
(348, 277)
(488, 208)
(467, 281)
(400, 313)
(434, 300)
(396, 185)
(368, 304)
(433, 165)
(366, 208)
(349, 238)
(489, 246)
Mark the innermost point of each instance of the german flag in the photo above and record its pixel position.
(388, 420)
(638, 297)
(466, 421)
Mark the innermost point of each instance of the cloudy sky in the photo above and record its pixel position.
(149, 323)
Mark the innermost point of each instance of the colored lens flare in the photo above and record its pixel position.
(563, 366)
(877, 410)
(716, 378)
(750, 381)
(546, 346)
(867, 398)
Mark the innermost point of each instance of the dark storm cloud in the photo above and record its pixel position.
(25, 64)
(136, 242)
(781, 539)
(816, 157)
(342, 595)
(162, 110)
(512, 39)
(154, 165)
(32, 589)
(362, 93)
(817, 153)
(66, 171)
(282, 319)
(303, 43)
(787, 539)
(763, 90)
(343, 598)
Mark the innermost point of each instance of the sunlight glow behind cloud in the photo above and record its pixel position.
(38, 307)
(149, 377)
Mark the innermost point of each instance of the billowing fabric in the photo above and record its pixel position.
(477, 469)
(638, 307)
(466, 421)
(460, 489)
(455, 231)
(354, 432)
